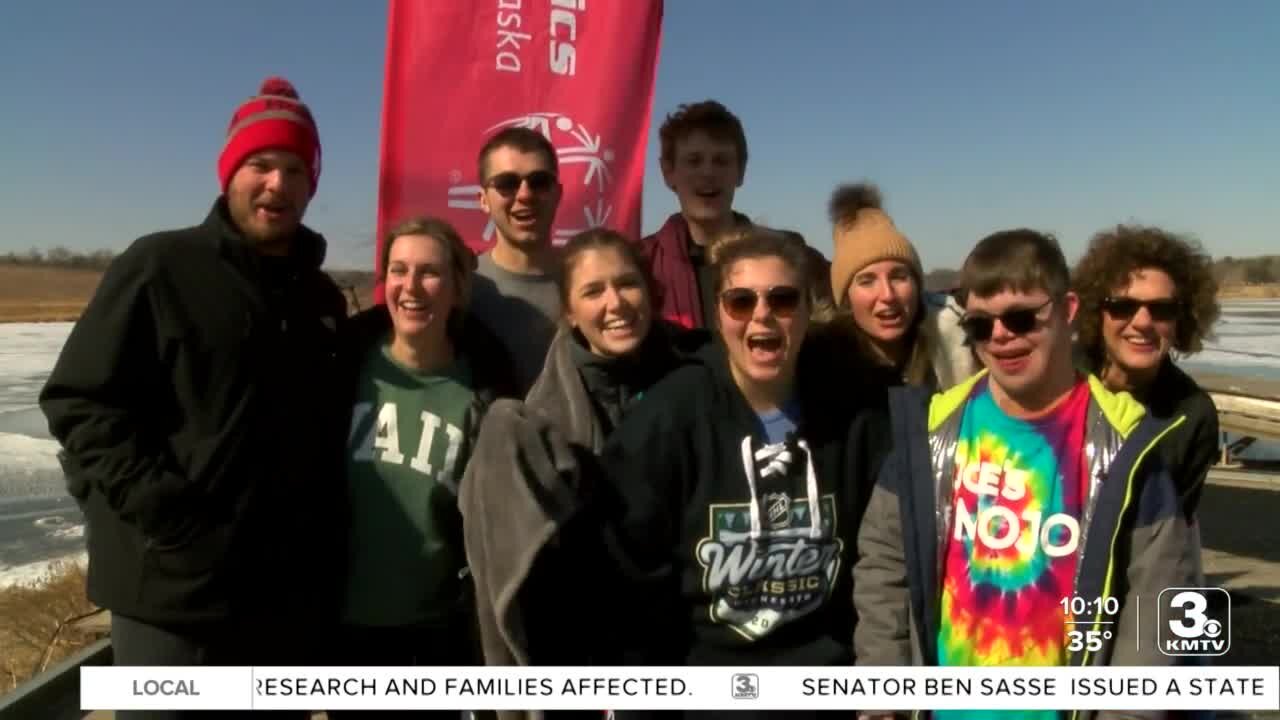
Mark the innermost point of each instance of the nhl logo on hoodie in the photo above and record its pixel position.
(778, 505)
(759, 584)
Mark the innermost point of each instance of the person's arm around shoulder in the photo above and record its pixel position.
(92, 399)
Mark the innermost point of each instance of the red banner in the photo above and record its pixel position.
(579, 71)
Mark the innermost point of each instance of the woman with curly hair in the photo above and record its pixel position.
(1145, 293)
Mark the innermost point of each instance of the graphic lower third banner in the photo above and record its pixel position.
(680, 688)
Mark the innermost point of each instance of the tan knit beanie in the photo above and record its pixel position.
(862, 233)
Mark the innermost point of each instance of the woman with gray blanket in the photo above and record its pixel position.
(523, 497)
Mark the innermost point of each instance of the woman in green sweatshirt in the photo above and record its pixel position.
(422, 375)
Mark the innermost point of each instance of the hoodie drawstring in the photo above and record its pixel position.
(779, 458)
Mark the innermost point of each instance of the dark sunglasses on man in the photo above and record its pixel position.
(1124, 308)
(508, 183)
(740, 303)
(979, 326)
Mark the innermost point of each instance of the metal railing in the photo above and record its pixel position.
(55, 693)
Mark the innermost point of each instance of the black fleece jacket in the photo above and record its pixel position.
(194, 402)
(1191, 448)
(614, 383)
(700, 582)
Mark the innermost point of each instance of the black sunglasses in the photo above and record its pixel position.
(508, 183)
(1019, 321)
(740, 303)
(1124, 308)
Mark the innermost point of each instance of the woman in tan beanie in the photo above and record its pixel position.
(878, 286)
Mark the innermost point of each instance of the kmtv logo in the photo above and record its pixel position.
(746, 686)
(583, 159)
(1194, 621)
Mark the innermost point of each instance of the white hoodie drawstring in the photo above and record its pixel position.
(779, 462)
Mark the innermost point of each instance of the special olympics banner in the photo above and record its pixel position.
(579, 71)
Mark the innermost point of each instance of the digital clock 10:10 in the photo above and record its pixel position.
(1076, 606)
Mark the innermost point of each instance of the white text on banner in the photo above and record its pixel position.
(697, 688)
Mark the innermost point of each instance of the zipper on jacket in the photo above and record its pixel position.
(1115, 535)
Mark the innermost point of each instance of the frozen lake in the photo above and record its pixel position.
(1247, 341)
(39, 522)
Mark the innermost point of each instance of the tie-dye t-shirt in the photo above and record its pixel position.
(1011, 557)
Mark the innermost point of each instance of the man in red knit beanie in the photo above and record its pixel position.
(270, 165)
(198, 437)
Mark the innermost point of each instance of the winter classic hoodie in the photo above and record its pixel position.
(729, 551)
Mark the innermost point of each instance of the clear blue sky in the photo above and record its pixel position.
(970, 116)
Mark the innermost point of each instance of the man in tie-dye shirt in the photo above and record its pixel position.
(1019, 489)
(1004, 495)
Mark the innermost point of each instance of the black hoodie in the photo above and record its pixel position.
(709, 577)
(614, 383)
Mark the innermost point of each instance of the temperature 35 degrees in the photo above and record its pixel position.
(1090, 640)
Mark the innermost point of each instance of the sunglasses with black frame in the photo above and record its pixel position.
(978, 327)
(1124, 308)
(508, 183)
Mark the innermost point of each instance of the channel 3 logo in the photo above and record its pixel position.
(1194, 621)
(746, 686)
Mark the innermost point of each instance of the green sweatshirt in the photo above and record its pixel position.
(403, 466)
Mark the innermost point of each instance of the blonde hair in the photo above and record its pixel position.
(462, 262)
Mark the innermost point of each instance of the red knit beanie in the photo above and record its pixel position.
(274, 120)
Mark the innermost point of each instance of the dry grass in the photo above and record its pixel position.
(38, 623)
(50, 294)
(41, 294)
(32, 293)
(1258, 291)
(359, 294)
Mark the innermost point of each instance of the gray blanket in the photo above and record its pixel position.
(517, 492)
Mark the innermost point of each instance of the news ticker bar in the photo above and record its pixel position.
(678, 688)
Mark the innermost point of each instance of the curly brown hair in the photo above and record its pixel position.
(1114, 254)
(707, 116)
